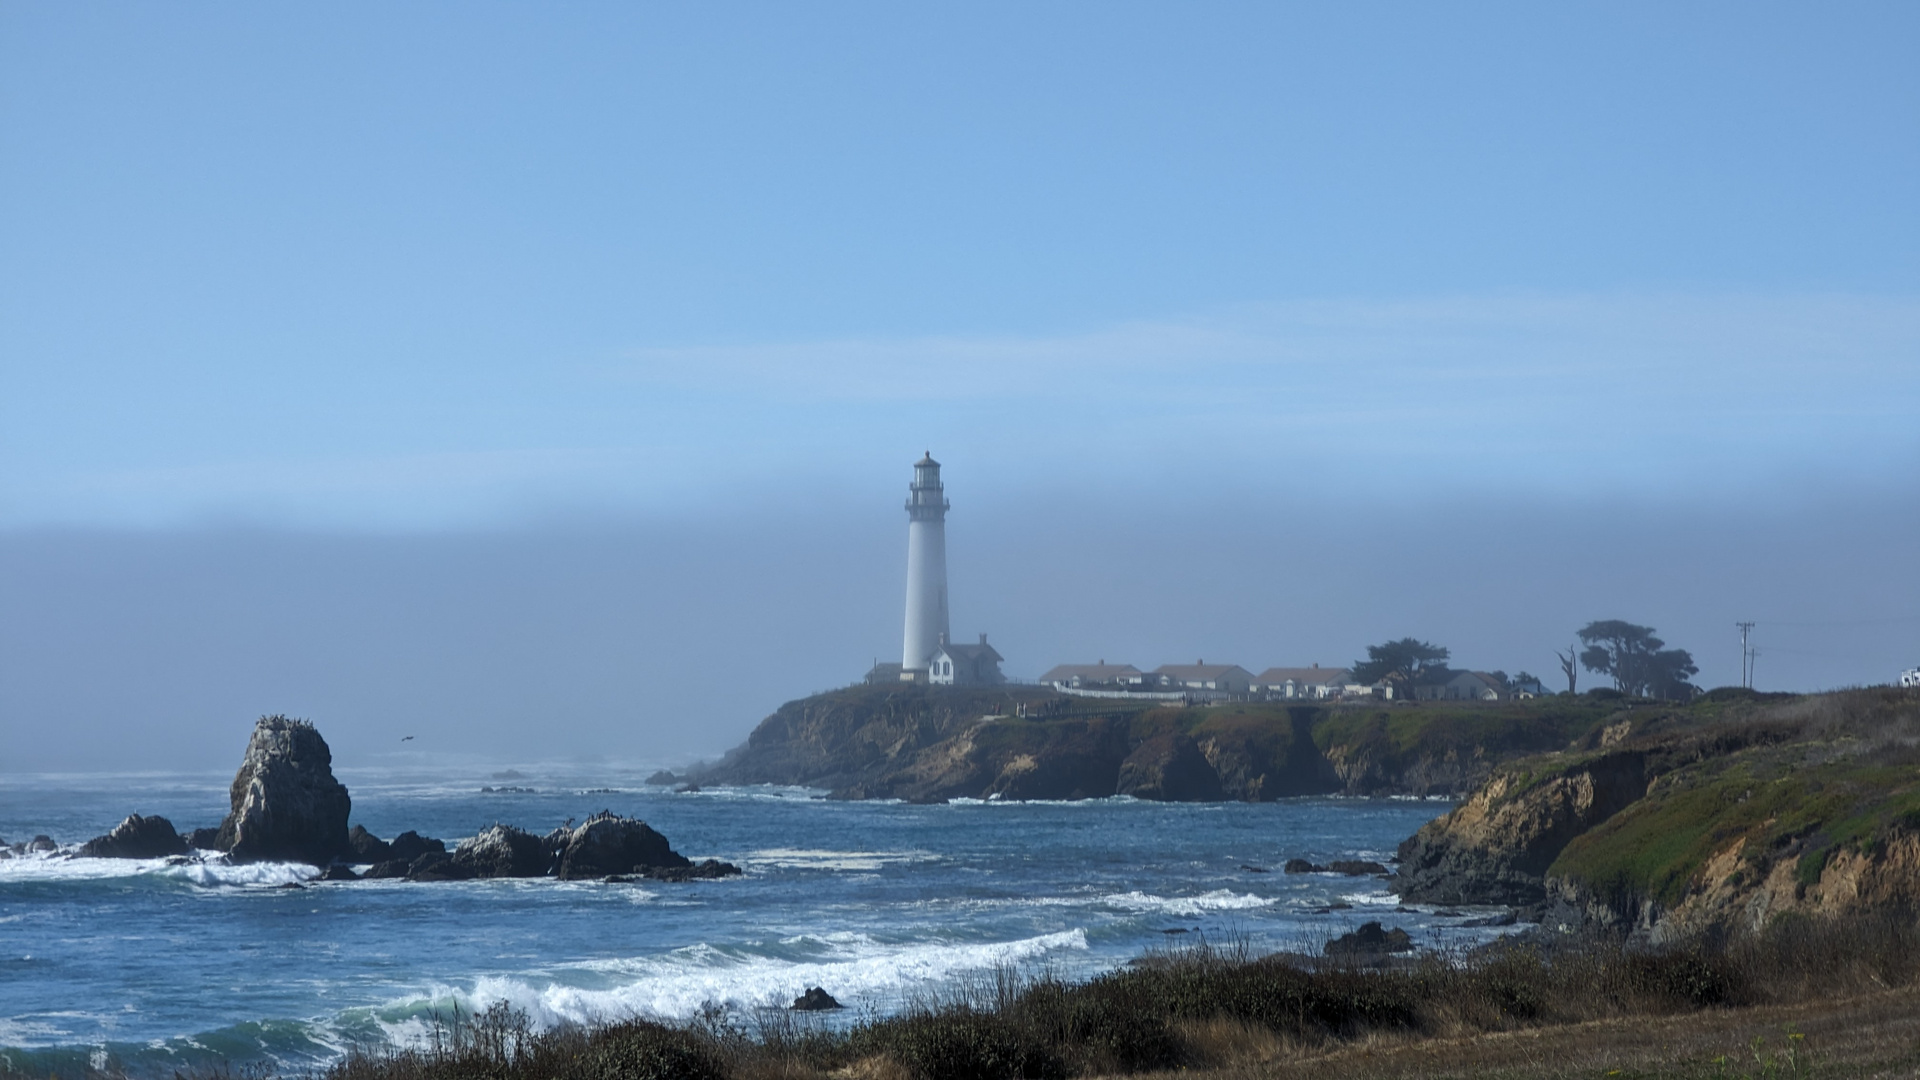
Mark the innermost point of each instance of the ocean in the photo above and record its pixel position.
(150, 967)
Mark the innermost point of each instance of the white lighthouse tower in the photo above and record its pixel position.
(926, 570)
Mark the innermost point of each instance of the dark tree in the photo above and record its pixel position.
(1404, 659)
(1638, 662)
(1570, 665)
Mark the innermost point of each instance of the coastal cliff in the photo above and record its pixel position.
(1710, 818)
(923, 743)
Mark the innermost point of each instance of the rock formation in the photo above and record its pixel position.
(137, 838)
(1370, 940)
(1495, 847)
(607, 844)
(286, 803)
(366, 847)
(503, 851)
(816, 999)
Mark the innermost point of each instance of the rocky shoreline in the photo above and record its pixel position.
(931, 744)
(287, 806)
(1714, 819)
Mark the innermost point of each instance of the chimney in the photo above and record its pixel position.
(983, 638)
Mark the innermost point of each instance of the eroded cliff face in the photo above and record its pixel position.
(1495, 848)
(1713, 821)
(1727, 894)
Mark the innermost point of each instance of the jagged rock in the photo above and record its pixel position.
(815, 999)
(42, 842)
(609, 844)
(286, 803)
(502, 851)
(1302, 866)
(1355, 867)
(664, 776)
(392, 868)
(204, 839)
(1169, 768)
(368, 848)
(410, 845)
(137, 838)
(1370, 939)
(336, 872)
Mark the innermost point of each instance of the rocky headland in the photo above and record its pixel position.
(927, 744)
(287, 806)
(1717, 817)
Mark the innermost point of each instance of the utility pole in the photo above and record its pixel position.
(1746, 655)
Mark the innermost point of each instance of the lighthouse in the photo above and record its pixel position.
(926, 569)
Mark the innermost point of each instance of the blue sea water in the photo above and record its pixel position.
(154, 966)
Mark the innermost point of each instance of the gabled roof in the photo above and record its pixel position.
(1310, 676)
(970, 652)
(1200, 671)
(1089, 672)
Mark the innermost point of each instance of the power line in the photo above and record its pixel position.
(1746, 655)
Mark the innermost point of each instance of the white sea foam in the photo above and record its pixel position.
(62, 866)
(267, 874)
(679, 984)
(208, 869)
(1217, 900)
(810, 859)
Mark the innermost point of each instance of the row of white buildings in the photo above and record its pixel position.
(1226, 681)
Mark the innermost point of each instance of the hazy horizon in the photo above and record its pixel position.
(546, 382)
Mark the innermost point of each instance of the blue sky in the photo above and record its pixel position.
(447, 270)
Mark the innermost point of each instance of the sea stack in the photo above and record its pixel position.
(286, 804)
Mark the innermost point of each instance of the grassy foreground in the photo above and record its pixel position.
(1806, 998)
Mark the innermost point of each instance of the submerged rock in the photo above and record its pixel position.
(1355, 867)
(336, 872)
(137, 838)
(816, 999)
(1302, 866)
(704, 870)
(1370, 939)
(608, 844)
(41, 842)
(286, 802)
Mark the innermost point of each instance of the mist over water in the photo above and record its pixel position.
(663, 641)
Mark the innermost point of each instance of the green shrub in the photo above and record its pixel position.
(644, 1051)
(961, 1044)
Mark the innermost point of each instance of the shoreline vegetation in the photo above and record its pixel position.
(1807, 997)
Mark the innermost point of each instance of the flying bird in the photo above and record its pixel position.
(406, 738)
